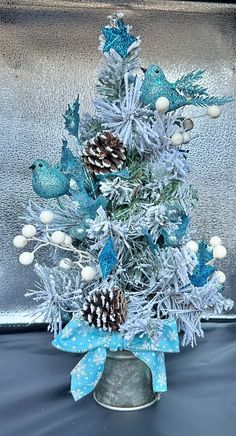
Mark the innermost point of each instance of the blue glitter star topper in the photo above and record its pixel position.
(117, 36)
(107, 258)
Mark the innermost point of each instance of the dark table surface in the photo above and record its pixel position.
(35, 399)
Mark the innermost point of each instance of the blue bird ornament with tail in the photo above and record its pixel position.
(185, 91)
(68, 178)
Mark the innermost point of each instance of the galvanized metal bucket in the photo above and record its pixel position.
(126, 383)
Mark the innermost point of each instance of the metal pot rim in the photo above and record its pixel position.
(127, 409)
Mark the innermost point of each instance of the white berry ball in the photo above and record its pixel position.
(68, 240)
(213, 111)
(19, 241)
(26, 258)
(186, 137)
(219, 252)
(46, 217)
(176, 139)
(88, 273)
(221, 277)
(29, 231)
(162, 104)
(65, 263)
(58, 237)
(215, 240)
(192, 246)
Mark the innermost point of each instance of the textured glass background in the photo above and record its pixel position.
(49, 54)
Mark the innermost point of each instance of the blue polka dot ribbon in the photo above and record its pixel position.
(77, 337)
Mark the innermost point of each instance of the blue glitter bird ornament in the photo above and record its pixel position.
(118, 38)
(47, 180)
(185, 91)
(68, 178)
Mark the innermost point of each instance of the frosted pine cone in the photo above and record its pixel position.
(105, 309)
(104, 154)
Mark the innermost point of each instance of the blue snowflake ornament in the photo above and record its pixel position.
(118, 38)
(107, 258)
(202, 270)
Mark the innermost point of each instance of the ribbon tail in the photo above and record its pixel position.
(155, 360)
(88, 372)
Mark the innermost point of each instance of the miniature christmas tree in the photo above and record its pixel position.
(117, 210)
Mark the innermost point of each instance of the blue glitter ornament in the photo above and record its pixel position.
(78, 232)
(181, 93)
(47, 180)
(107, 258)
(202, 271)
(173, 238)
(88, 206)
(118, 38)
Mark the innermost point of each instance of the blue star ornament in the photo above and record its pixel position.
(118, 38)
(107, 258)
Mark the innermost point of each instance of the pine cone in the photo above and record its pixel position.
(104, 154)
(105, 309)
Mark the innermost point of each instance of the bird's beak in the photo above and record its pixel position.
(144, 69)
(32, 167)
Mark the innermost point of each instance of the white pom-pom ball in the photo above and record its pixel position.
(192, 246)
(46, 217)
(221, 277)
(29, 231)
(213, 111)
(26, 258)
(88, 273)
(176, 139)
(65, 263)
(215, 240)
(68, 240)
(186, 137)
(219, 252)
(19, 241)
(162, 104)
(58, 237)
